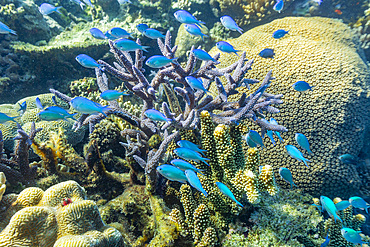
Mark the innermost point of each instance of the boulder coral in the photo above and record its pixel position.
(322, 52)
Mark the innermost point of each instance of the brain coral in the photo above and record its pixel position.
(333, 116)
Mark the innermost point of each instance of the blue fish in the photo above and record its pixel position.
(153, 34)
(172, 173)
(267, 53)
(194, 30)
(329, 206)
(303, 142)
(183, 165)
(227, 192)
(348, 159)
(4, 29)
(109, 36)
(88, 2)
(295, 153)
(256, 138)
(188, 154)
(155, 115)
(119, 33)
(249, 141)
(48, 115)
(273, 121)
(190, 145)
(142, 27)
(358, 202)
(195, 182)
(158, 61)
(279, 5)
(129, 45)
(230, 24)
(270, 135)
(301, 86)
(22, 107)
(86, 106)
(79, 3)
(203, 55)
(47, 9)
(109, 95)
(123, 2)
(38, 104)
(185, 17)
(352, 236)
(327, 241)
(195, 84)
(279, 33)
(88, 62)
(226, 47)
(64, 113)
(342, 205)
(287, 176)
(97, 33)
(5, 118)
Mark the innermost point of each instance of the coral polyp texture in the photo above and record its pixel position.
(333, 116)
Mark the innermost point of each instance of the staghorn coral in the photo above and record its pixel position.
(322, 52)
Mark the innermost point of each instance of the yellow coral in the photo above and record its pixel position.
(247, 181)
(266, 180)
(2, 184)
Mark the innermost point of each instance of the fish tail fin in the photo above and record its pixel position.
(236, 53)
(144, 48)
(304, 161)
(58, 8)
(337, 217)
(82, 5)
(367, 208)
(203, 35)
(241, 205)
(73, 116)
(204, 161)
(200, 172)
(205, 193)
(240, 30)
(309, 151)
(105, 108)
(13, 32)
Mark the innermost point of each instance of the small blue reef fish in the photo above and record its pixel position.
(190, 145)
(109, 36)
(109, 95)
(227, 192)
(60, 111)
(155, 115)
(158, 61)
(301, 86)
(188, 154)
(270, 135)
(38, 104)
(352, 236)
(249, 141)
(5, 118)
(122, 2)
(97, 33)
(129, 45)
(256, 138)
(230, 24)
(47, 9)
(119, 33)
(194, 30)
(318, 1)
(329, 206)
(172, 173)
(203, 55)
(195, 182)
(195, 84)
(22, 107)
(274, 122)
(267, 53)
(88, 2)
(153, 34)
(342, 205)
(295, 153)
(142, 27)
(50, 115)
(358, 202)
(327, 241)
(279, 33)
(79, 3)
(279, 5)
(4, 29)
(88, 62)
(185, 17)
(86, 106)
(348, 159)
(226, 47)
(183, 165)
(303, 142)
(287, 176)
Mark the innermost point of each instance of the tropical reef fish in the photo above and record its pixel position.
(86, 106)
(194, 30)
(47, 9)
(274, 122)
(230, 24)
(329, 206)
(279, 5)
(194, 181)
(348, 159)
(188, 154)
(227, 192)
(97, 33)
(279, 33)
(270, 135)
(129, 45)
(203, 55)
(256, 138)
(303, 142)
(109, 36)
(342, 205)
(195, 84)
(287, 176)
(317, 1)
(190, 145)
(267, 53)
(88, 62)
(301, 86)
(249, 141)
(142, 27)
(112, 95)
(5, 118)
(22, 107)
(172, 173)
(327, 240)
(183, 165)
(358, 202)
(226, 47)
(158, 61)
(153, 34)
(185, 17)
(79, 3)
(352, 236)
(4, 29)
(295, 153)
(38, 104)
(155, 115)
(88, 2)
(119, 33)
(122, 2)
(54, 113)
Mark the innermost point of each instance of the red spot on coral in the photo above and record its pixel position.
(66, 201)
